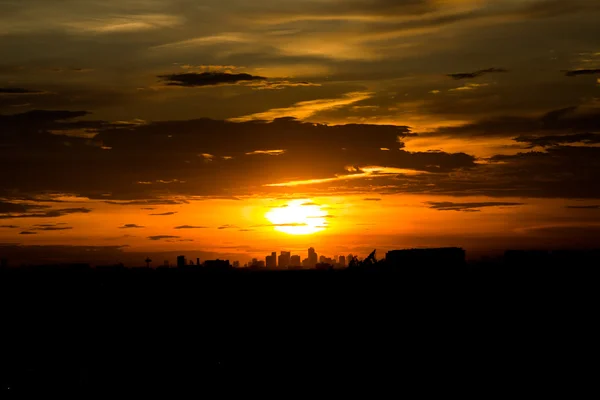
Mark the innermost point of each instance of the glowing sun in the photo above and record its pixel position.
(298, 217)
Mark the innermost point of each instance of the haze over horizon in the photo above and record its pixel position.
(233, 129)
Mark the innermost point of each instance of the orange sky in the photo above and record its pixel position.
(473, 123)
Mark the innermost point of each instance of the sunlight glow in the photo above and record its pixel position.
(298, 217)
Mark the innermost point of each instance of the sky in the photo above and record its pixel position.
(233, 128)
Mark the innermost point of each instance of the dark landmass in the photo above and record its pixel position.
(436, 325)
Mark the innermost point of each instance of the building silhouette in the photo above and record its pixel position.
(217, 264)
(342, 262)
(271, 261)
(433, 257)
(312, 258)
(181, 263)
(284, 259)
(295, 262)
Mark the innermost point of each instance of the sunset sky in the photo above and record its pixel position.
(234, 128)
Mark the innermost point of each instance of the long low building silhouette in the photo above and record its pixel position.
(434, 257)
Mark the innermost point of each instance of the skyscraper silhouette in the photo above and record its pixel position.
(271, 261)
(312, 257)
(284, 259)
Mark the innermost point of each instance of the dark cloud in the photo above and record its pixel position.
(164, 214)
(47, 214)
(148, 208)
(16, 90)
(9, 207)
(555, 140)
(592, 207)
(143, 202)
(560, 121)
(476, 74)
(162, 237)
(28, 233)
(116, 165)
(54, 228)
(578, 72)
(372, 199)
(309, 203)
(208, 79)
(48, 225)
(227, 227)
(131, 226)
(191, 227)
(9, 226)
(468, 207)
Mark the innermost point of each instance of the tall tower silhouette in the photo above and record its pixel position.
(148, 261)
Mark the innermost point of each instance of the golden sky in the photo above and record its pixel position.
(271, 125)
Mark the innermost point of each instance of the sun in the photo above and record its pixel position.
(298, 217)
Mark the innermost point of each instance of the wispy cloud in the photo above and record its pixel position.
(468, 86)
(365, 173)
(164, 214)
(468, 207)
(162, 237)
(306, 109)
(130, 23)
(228, 227)
(267, 152)
(131, 226)
(476, 74)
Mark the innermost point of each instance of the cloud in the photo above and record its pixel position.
(468, 207)
(165, 213)
(468, 86)
(208, 79)
(555, 140)
(28, 233)
(228, 227)
(305, 109)
(54, 228)
(131, 226)
(566, 120)
(578, 72)
(191, 227)
(162, 237)
(592, 207)
(9, 226)
(267, 152)
(125, 24)
(476, 74)
(344, 158)
(46, 214)
(9, 207)
(166, 202)
(17, 90)
(372, 199)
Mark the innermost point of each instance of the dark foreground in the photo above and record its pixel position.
(452, 332)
